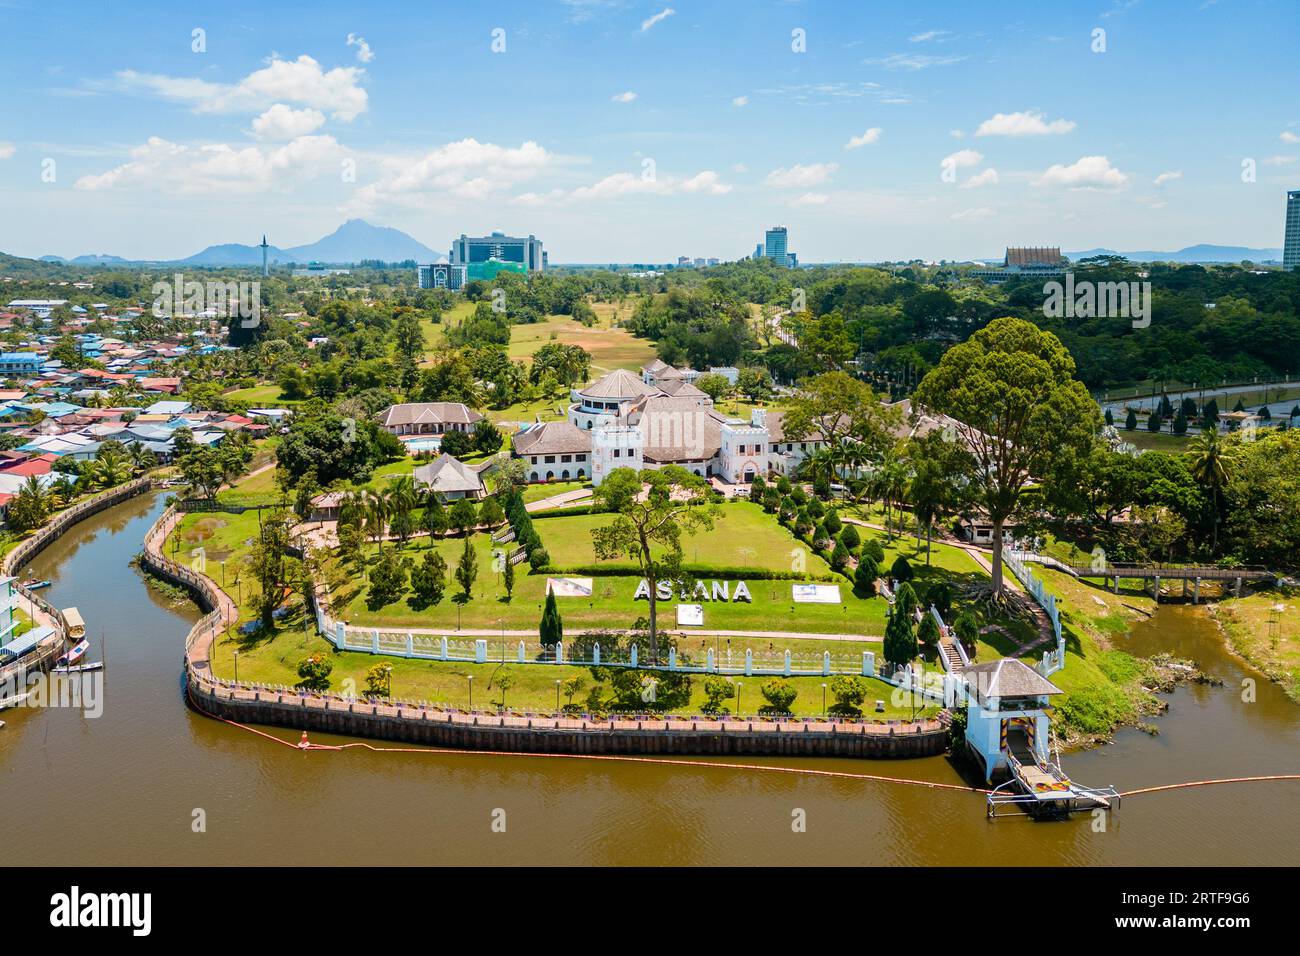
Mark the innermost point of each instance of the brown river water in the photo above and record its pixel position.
(124, 788)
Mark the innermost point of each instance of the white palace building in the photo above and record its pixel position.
(660, 418)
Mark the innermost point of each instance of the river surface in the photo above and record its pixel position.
(124, 788)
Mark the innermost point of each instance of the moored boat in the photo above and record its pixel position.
(73, 654)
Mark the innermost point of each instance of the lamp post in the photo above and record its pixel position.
(236, 666)
(738, 684)
(471, 691)
(557, 696)
(823, 700)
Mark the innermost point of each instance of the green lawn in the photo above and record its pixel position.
(261, 396)
(539, 491)
(611, 606)
(610, 348)
(743, 536)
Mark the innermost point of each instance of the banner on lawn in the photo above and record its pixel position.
(569, 587)
(690, 615)
(815, 593)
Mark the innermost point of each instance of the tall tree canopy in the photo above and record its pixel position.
(1018, 407)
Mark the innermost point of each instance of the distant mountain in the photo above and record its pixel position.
(233, 254)
(356, 239)
(102, 260)
(351, 242)
(1198, 253)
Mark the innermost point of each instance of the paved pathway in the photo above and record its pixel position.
(561, 500)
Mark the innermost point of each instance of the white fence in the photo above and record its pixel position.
(1054, 660)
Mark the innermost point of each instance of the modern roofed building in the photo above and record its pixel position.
(441, 275)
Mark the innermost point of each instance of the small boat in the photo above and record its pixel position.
(73, 654)
(80, 668)
(35, 585)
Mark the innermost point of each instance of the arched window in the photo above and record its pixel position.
(534, 477)
(550, 476)
(581, 474)
(565, 474)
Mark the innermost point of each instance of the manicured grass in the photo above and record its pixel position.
(553, 409)
(261, 396)
(611, 605)
(743, 536)
(610, 348)
(547, 490)
(1156, 441)
(274, 658)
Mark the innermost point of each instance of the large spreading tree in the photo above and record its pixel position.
(652, 509)
(1017, 408)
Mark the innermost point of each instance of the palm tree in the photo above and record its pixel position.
(142, 459)
(109, 469)
(891, 480)
(375, 506)
(65, 489)
(1214, 462)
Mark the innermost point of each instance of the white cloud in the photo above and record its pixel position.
(1023, 124)
(659, 17)
(956, 134)
(912, 61)
(1089, 172)
(972, 215)
(6, 150)
(282, 122)
(812, 199)
(988, 177)
(802, 175)
(625, 97)
(1271, 161)
(870, 136)
(466, 169)
(164, 166)
(739, 168)
(929, 35)
(619, 185)
(962, 158)
(1168, 177)
(364, 53)
(301, 81)
(1290, 137)
(740, 101)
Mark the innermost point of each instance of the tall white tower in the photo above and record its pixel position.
(615, 446)
(265, 270)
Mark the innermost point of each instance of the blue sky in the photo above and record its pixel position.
(633, 131)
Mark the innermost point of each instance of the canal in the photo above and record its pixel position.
(125, 788)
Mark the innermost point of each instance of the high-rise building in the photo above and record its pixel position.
(474, 252)
(774, 246)
(442, 275)
(1291, 247)
(774, 243)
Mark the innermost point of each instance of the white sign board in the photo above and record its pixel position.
(690, 615)
(569, 587)
(815, 593)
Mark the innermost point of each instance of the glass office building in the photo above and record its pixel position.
(1291, 247)
(498, 247)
